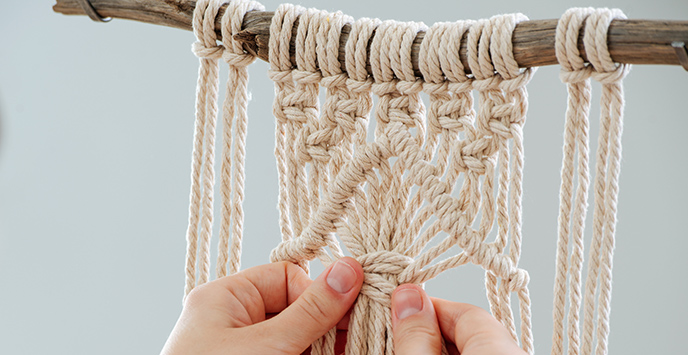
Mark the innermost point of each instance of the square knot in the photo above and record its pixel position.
(314, 151)
(474, 155)
(500, 126)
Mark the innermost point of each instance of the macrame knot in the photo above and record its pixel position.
(471, 155)
(238, 59)
(500, 124)
(517, 82)
(440, 88)
(234, 54)
(575, 76)
(381, 270)
(450, 210)
(306, 77)
(461, 88)
(613, 76)
(315, 146)
(595, 42)
(207, 52)
(359, 86)
(333, 81)
(518, 280)
(280, 76)
(573, 68)
(396, 139)
(384, 88)
(410, 87)
(487, 84)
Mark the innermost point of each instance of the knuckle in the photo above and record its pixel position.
(475, 314)
(414, 331)
(201, 295)
(197, 295)
(316, 310)
(410, 338)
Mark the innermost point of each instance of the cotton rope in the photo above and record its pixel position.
(576, 74)
(210, 52)
(385, 199)
(432, 188)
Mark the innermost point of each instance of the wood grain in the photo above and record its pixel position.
(629, 41)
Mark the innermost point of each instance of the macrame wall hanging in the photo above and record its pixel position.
(434, 185)
(428, 180)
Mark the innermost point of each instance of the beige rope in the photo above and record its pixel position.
(203, 181)
(200, 209)
(572, 218)
(576, 75)
(428, 180)
(380, 198)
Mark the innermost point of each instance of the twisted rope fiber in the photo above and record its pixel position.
(378, 197)
(201, 205)
(572, 218)
(429, 178)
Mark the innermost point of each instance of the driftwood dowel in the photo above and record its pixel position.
(629, 41)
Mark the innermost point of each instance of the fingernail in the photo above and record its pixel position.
(342, 277)
(407, 303)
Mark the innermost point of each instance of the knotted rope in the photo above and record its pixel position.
(386, 200)
(428, 181)
(576, 74)
(202, 171)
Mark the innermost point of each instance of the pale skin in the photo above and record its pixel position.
(278, 309)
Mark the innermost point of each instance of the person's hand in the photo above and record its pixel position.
(419, 323)
(268, 309)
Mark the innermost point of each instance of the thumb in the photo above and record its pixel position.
(319, 308)
(414, 322)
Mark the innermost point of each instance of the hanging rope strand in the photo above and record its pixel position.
(451, 176)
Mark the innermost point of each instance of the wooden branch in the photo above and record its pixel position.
(629, 41)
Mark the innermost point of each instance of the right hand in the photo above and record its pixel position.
(419, 323)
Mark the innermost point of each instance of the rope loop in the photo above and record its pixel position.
(203, 24)
(234, 53)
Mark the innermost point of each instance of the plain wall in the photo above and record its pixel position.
(95, 151)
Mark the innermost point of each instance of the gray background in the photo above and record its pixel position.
(97, 124)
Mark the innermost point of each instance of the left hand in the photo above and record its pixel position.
(268, 309)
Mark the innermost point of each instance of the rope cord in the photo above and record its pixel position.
(428, 180)
(572, 213)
